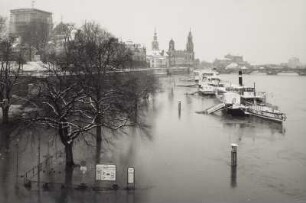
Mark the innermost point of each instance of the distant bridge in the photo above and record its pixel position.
(267, 70)
(275, 71)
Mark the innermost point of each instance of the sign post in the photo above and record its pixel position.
(106, 172)
(131, 178)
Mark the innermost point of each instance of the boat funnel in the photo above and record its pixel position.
(240, 78)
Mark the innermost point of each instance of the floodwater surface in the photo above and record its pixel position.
(185, 156)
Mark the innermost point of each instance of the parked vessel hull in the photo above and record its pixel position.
(265, 117)
(235, 112)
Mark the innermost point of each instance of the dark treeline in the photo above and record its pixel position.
(80, 93)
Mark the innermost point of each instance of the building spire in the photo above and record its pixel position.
(189, 45)
(155, 42)
(155, 34)
(33, 3)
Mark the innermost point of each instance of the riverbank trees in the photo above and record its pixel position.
(11, 59)
(59, 105)
(87, 88)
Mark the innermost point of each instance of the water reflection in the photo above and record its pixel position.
(171, 95)
(179, 109)
(249, 127)
(5, 162)
(183, 156)
(233, 176)
(66, 188)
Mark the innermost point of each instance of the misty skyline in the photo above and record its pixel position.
(263, 31)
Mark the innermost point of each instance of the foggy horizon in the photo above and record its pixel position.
(261, 31)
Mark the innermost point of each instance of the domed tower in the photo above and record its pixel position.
(171, 45)
(189, 46)
(155, 42)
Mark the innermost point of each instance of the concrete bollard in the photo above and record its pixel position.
(234, 154)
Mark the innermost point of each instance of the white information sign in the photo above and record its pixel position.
(106, 172)
(131, 176)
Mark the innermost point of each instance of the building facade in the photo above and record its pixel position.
(181, 57)
(231, 62)
(20, 19)
(294, 62)
(138, 53)
(33, 28)
(155, 57)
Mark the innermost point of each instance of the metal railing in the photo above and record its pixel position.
(45, 164)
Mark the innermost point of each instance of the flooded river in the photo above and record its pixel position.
(185, 156)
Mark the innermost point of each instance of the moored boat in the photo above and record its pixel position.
(266, 112)
(208, 82)
(242, 100)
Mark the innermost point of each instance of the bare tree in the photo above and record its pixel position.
(11, 60)
(100, 61)
(94, 53)
(59, 106)
(105, 99)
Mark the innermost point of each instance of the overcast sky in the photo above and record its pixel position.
(263, 31)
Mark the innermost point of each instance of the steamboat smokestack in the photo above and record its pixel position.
(240, 78)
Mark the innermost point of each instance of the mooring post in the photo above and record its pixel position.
(234, 154)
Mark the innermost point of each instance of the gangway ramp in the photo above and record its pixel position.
(215, 108)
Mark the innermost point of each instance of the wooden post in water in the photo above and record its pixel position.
(234, 154)
(179, 108)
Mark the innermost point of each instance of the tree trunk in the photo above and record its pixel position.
(30, 52)
(5, 115)
(69, 155)
(98, 138)
(98, 143)
(98, 130)
(68, 176)
(98, 153)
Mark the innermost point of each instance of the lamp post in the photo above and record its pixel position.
(17, 159)
(38, 163)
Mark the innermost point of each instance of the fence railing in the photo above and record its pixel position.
(44, 165)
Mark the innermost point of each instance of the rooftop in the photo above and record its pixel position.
(29, 10)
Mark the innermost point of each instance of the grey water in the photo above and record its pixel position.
(186, 156)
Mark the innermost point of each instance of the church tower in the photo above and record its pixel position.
(155, 42)
(171, 45)
(189, 46)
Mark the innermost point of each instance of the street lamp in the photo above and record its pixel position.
(17, 159)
